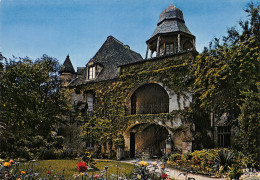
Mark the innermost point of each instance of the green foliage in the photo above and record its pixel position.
(224, 159)
(120, 141)
(31, 103)
(175, 157)
(199, 161)
(212, 162)
(62, 169)
(111, 116)
(1, 63)
(235, 172)
(220, 78)
(249, 120)
(226, 79)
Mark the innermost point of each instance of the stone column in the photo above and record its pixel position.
(186, 147)
(158, 46)
(179, 42)
(194, 44)
(164, 50)
(147, 52)
(168, 145)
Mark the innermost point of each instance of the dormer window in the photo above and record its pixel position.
(92, 72)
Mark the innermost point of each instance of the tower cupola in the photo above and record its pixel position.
(171, 34)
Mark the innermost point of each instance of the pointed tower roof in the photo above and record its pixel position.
(67, 66)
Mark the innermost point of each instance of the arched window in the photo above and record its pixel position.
(150, 99)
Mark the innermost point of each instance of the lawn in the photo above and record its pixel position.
(68, 168)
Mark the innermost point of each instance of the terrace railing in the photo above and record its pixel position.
(150, 108)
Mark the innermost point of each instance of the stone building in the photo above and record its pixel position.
(148, 95)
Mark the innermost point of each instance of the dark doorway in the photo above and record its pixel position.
(132, 145)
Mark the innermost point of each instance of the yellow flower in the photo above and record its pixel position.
(6, 164)
(162, 165)
(139, 176)
(23, 172)
(143, 163)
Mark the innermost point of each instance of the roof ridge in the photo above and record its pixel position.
(112, 37)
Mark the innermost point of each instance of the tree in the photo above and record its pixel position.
(249, 123)
(1, 63)
(32, 103)
(227, 75)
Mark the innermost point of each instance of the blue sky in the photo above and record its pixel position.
(79, 27)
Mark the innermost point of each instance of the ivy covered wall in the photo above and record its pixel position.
(111, 116)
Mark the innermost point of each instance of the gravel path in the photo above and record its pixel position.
(179, 175)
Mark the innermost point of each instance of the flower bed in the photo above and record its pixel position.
(212, 162)
(62, 169)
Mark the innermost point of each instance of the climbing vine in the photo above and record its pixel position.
(110, 116)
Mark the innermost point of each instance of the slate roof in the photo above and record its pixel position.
(171, 20)
(67, 66)
(170, 13)
(169, 26)
(112, 54)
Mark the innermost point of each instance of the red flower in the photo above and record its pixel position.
(96, 176)
(164, 175)
(82, 167)
(178, 158)
(48, 172)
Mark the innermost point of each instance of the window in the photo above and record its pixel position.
(90, 103)
(91, 72)
(187, 46)
(169, 48)
(224, 136)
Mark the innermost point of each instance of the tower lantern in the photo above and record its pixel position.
(171, 35)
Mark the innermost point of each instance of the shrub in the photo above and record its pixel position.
(235, 172)
(224, 159)
(212, 161)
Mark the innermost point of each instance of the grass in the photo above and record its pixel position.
(69, 168)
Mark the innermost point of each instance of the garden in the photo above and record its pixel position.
(214, 163)
(79, 169)
(218, 163)
(63, 169)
